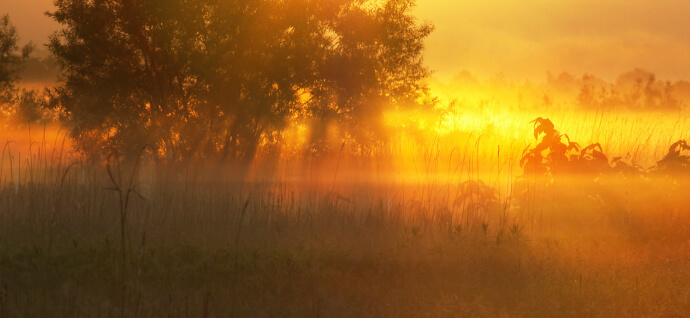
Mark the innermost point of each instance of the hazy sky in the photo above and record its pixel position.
(520, 39)
(28, 17)
(525, 39)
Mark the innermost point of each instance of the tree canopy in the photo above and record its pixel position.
(204, 78)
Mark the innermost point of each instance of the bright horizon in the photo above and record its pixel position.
(518, 40)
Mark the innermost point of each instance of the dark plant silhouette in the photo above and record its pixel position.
(563, 157)
(675, 160)
(476, 200)
(585, 179)
(476, 194)
(622, 167)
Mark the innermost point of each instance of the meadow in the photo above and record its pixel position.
(480, 219)
(294, 158)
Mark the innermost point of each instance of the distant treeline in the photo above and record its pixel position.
(40, 69)
(636, 90)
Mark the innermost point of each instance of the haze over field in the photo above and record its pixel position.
(344, 158)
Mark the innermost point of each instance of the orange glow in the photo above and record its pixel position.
(545, 174)
(525, 39)
(521, 40)
(508, 49)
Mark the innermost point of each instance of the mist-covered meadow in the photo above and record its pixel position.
(198, 158)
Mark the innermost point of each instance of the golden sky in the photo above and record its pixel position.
(525, 39)
(519, 39)
(28, 17)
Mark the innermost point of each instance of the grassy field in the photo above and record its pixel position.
(351, 238)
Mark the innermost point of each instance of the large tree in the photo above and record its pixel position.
(218, 77)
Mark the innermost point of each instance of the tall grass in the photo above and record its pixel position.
(447, 227)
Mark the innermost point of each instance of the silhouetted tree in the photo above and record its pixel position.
(202, 78)
(11, 59)
(373, 63)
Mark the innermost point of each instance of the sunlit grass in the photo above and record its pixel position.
(443, 221)
(198, 243)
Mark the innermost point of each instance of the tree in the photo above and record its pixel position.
(11, 59)
(373, 62)
(216, 78)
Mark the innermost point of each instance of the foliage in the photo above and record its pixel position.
(17, 106)
(561, 157)
(29, 107)
(586, 180)
(591, 160)
(675, 159)
(11, 59)
(203, 78)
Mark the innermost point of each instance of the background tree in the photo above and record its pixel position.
(203, 78)
(11, 59)
(17, 106)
